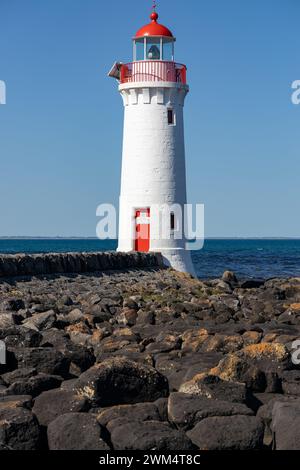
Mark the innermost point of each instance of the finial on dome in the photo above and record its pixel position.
(154, 28)
(154, 14)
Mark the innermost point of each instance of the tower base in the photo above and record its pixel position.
(180, 260)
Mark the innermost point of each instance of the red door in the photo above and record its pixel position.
(142, 230)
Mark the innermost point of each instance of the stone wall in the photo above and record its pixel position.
(60, 263)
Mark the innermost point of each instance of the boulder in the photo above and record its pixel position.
(65, 300)
(18, 374)
(185, 410)
(55, 338)
(274, 352)
(291, 382)
(149, 435)
(265, 403)
(230, 278)
(286, 425)
(80, 328)
(228, 433)
(192, 340)
(81, 358)
(224, 286)
(131, 303)
(72, 317)
(165, 342)
(12, 402)
(235, 369)
(34, 385)
(256, 365)
(111, 345)
(223, 343)
(180, 368)
(289, 317)
(145, 317)
(121, 381)
(19, 429)
(41, 321)
(21, 337)
(138, 412)
(7, 320)
(13, 305)
(76, 431)
(251, 337)
(252, 284)
(212, 387)
(45, 360)
(127, 317)
(265, 410)
(51, 404)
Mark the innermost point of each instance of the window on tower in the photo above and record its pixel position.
(172, 221)
(171, 117)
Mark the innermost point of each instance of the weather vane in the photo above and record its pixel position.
(154, 5)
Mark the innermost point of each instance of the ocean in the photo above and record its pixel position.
(255, 258)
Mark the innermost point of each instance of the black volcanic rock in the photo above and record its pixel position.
(184, 410)
(120, 381)
(137, 412)
(213, 387)
(35, 385)
(76, 431)
(51, 404)
(149, 435)
(228, 433)
(46, 360)
(19, 429)
(114, 346)
(20, 337)
(286, 425)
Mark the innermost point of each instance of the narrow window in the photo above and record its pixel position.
(172, 221)
(171, 116)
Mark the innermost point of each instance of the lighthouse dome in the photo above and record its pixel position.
(153, 29)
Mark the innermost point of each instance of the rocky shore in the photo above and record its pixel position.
(148, 359)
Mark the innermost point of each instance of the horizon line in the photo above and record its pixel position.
(58, 237)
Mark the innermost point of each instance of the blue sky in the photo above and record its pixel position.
(61, 129)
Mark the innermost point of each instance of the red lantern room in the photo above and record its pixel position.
(153, 57)
(153, 42)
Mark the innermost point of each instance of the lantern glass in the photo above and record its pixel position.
(139, 49)
(168, 49)
(153, 49)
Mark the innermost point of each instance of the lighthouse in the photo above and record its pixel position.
(152, 215)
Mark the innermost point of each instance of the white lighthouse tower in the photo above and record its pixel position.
(153, 181)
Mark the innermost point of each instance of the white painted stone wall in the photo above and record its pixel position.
(153, 163)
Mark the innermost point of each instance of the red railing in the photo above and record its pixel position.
(153, 71)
